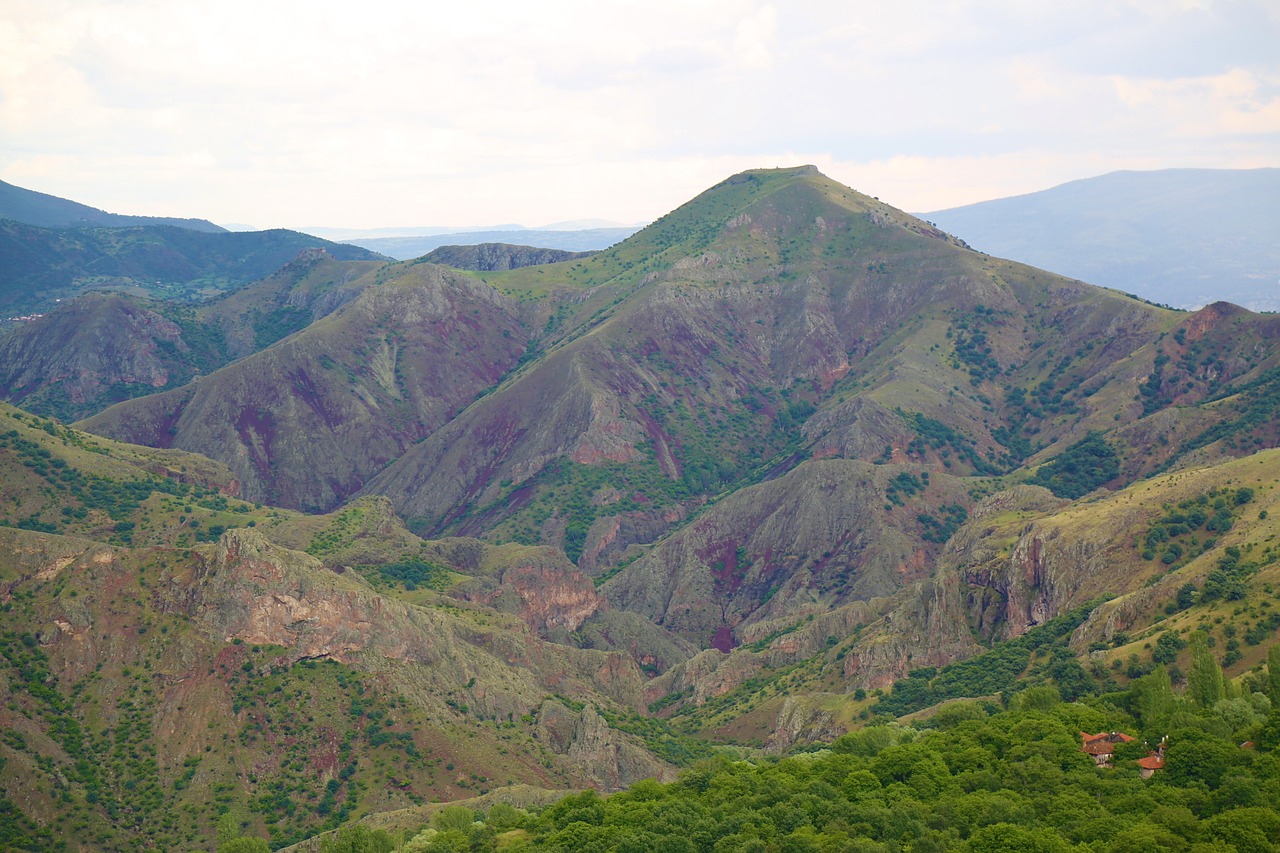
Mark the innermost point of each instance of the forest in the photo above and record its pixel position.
(984, 776)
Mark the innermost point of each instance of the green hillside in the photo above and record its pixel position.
(786, 468)
(45, 265)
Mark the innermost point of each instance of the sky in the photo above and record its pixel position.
(385, 114)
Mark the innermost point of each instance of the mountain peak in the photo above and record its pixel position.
(780, 206)
(807, 170)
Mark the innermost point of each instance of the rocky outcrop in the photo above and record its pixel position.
(801, 721)
(611, 537)
(598, 753)
(926, 626)
(489, 257)
(1020, 573)
(258, 593)
(27, 557)
(538, 584)
(708, 674)
(654, 649)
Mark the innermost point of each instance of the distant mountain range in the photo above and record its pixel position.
(1186, 237)
(584, 240)
(43, 266)
(52, 249)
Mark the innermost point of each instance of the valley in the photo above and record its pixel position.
(361, 537)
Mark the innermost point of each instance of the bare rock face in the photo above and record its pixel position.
(253, 591)
(597, 752)
(610, 537)
(1020, 576)
(706, 675)
(538, 584)
(802, 720)
(1003, 572)
(654, 649)
(259, 593)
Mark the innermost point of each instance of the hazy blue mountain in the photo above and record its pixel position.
(1186, 237)
(48, 211)
(585, 240)
(348, 235)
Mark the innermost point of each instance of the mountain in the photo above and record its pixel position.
(1186, 237)
(347, 235)
(308, 420)
(786, 461)
(36, 208)
(103, 347)
(99, 349)
(44, 265)
(582, 240)
(489, 257)
(776, 321)
(172, 653)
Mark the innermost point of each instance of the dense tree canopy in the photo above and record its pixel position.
(975, 777)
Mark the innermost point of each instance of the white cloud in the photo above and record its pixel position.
(390, 113)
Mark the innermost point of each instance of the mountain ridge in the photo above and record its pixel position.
(46, 265)
(49, 211)
(786, 461)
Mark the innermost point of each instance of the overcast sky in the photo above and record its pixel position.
(388, 114)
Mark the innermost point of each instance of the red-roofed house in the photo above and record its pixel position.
(1102, 746)
(1149, 765)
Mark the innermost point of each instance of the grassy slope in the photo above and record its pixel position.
(1019, 560)
(305, 422)
(140, 705)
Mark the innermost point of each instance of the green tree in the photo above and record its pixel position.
(1042, 698)
(1195, 757)
(1269, 734)
(454, 817)
(1146, 838)
(1273, 674)
(504, 816)
(1204, 678)
(1079, 469)
(1011, 838)
(1152, 696)
(1167, 647)
(358, 839)
(1250, 830)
